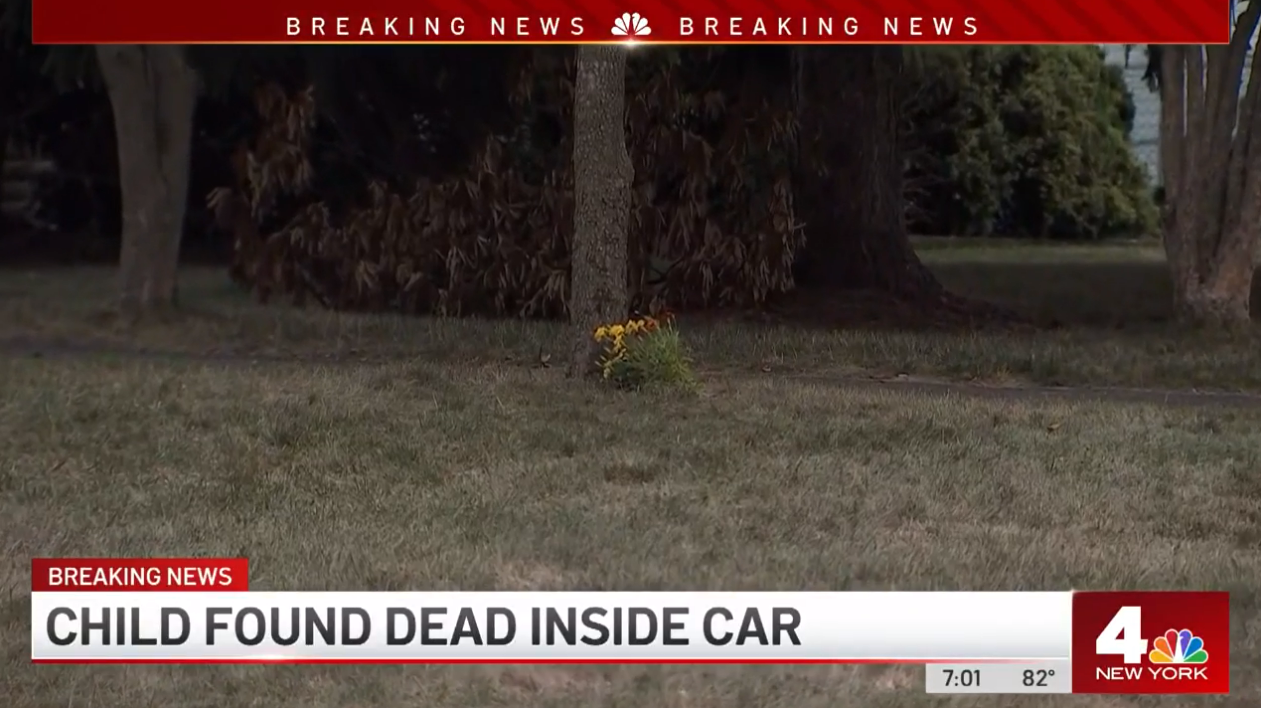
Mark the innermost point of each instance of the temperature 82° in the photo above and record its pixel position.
(1037, 678)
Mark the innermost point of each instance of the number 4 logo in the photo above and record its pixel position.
(1123, 636)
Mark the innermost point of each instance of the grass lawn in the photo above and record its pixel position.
(1113, 299)
(429, 475)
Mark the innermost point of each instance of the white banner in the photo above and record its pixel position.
(550, 626)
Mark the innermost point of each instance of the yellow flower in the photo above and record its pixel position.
(601, 332)
(617, 330)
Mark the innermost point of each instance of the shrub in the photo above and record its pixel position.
(709, 131)
(1023, 141)
(645, 353)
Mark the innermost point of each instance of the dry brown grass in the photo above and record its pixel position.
(423, 475)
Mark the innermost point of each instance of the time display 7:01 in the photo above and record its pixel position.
(962, 678)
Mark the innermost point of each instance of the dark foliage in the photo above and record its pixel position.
(1023, 141)
(710, 135)
(1018, 141)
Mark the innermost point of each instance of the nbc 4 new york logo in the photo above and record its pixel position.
(1176, 655)
(631, 25)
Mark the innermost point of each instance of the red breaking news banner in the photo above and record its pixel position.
(663, 21)
(139, 574)
(1151, 642)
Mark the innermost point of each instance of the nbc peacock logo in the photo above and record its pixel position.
(1178, 647)
(631, 25)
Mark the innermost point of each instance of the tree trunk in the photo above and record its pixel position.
(153, 92)
(602, 181)
(4, 160)
(849, 176)
(1210, 150)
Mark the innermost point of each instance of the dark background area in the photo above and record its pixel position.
(985, 137)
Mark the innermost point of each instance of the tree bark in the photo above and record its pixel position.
(4, 159)
(602, 181)
(1210, 153)
(849, 175)
(153, 92)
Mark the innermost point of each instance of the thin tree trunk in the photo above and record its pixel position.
(4, 158)
(153, 92)
(602, 180)
(1179, 250)
(849, 181)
